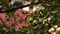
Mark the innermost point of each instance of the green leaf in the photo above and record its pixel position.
(30, 18)
(34, 21)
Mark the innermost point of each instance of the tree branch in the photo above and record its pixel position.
(19, 7)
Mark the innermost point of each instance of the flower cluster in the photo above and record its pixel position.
(17, 21)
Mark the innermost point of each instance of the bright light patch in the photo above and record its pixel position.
(26, 8)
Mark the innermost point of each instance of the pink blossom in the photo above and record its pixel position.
(17, 18)
(8, 24)
(19, 12)
(11, 18)
(0, 22)
(24, 16)
(2, 16)
(18, 26)
(24, 23)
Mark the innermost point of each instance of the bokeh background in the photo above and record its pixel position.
(29, 16)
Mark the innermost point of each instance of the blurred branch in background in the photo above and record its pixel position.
(19, 7)
(25, 4)
(43, 19)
